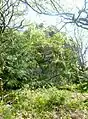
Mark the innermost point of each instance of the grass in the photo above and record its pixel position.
(51, 103)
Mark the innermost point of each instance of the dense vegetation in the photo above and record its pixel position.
(44, 103)
(40, 76)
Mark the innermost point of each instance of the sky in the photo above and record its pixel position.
(52, 20)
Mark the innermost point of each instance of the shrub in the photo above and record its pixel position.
(34, 59)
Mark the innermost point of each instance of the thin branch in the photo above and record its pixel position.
(58, 11)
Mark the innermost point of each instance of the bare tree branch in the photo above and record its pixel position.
(42, 7)
(10, 13)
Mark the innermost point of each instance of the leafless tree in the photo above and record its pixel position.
(55, 8)
(11, 10)
(11, 14)
(80, 45)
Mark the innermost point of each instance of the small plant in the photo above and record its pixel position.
(42, 104)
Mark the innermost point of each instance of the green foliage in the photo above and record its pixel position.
(12, 65)
(52, 62)
(34, 59)
(83, 87)
(43, 104)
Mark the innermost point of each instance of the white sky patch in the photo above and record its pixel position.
(74, 3)
(71, 5)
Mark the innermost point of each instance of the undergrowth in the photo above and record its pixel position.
(51, 103)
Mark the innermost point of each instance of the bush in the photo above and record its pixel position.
(12, 60)
(34, 59)
(52, 63)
